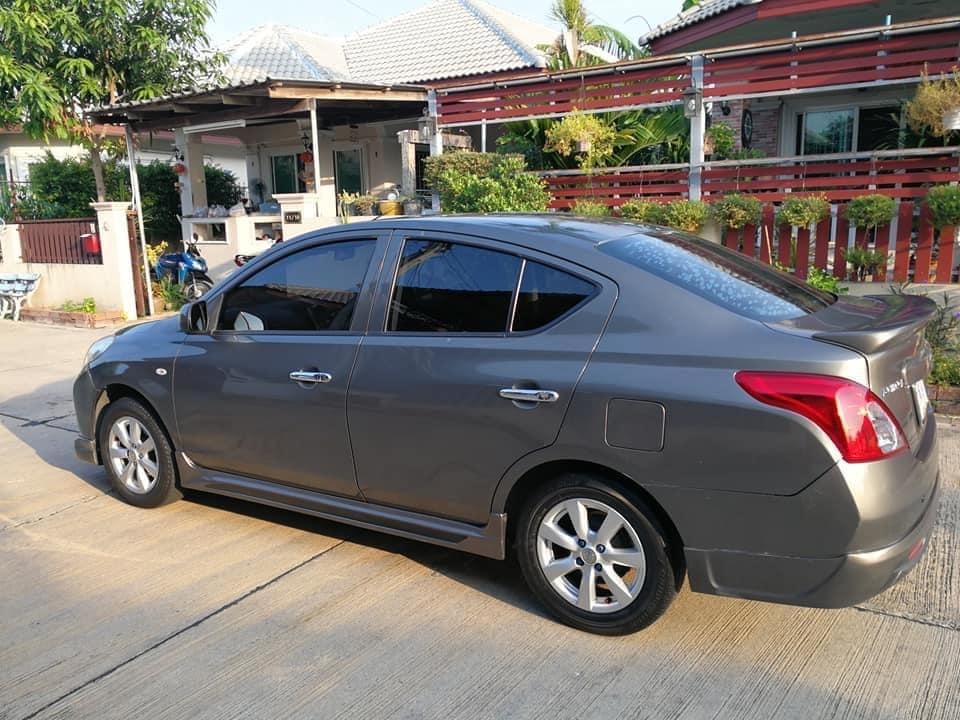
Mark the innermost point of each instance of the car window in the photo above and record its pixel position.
(722, 276)
(451, 287)
(314, 290)
(547, 294)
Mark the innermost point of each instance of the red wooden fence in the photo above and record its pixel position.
(866, 58)
(57, 241)
(616, 186)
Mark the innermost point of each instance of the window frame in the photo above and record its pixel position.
(359, 322)
(387, 286)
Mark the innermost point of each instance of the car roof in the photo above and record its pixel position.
(546, 231)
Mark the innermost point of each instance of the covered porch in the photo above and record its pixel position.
(304, 143)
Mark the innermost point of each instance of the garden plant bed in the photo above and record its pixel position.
(104, 318)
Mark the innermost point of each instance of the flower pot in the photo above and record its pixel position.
(412, 207)
(951, 119)
(391, 207)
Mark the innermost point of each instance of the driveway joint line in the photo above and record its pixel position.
(942, 624)
(81, 501)
(196, 623)
(27, 422)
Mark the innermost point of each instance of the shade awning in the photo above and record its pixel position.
(338, 103)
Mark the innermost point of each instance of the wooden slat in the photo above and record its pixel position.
(840, 244)
(748, 244)
(882, 245)
(803, 253)
(731, 239)
(945, 254)
(901, 264)
(921, 269)
(783, 245)
(766, 233)
(822, 244)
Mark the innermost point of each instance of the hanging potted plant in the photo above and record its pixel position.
(936, 106)
(587, 136)
(179, 168)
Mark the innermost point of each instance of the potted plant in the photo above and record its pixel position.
(868, 212)
(936, 106)
(588, 208)
(803, 210)
(686, 215)
(735, 211)
(363, 204)
(647, 211)
(346, 201)
(587, 136)
(944, 204)
(412, 205)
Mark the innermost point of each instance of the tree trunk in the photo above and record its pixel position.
(96, 162)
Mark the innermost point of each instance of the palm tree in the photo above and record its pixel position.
(584, 42)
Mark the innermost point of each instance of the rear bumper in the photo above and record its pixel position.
(829, 582)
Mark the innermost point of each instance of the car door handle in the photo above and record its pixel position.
(525, 395)
(311, 378)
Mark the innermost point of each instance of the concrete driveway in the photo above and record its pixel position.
(210, 608)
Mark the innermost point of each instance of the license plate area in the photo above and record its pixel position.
(921, 401)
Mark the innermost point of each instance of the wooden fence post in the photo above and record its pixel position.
(921, 269)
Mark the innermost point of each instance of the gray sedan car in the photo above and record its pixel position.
(620, 405)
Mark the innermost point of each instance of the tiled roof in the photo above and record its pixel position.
(284, 53)
(444, 39)
(706, 9)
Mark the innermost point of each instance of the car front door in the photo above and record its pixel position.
(264, 394)
(473, 354)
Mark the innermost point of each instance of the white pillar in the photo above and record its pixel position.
(315, 143)
(698, 130)
(117, 261)
(193, 185)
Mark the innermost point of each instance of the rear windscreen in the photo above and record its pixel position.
(722, 276)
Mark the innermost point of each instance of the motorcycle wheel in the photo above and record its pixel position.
(195, 289)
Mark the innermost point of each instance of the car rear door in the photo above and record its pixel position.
(474, 351)
(264, 394)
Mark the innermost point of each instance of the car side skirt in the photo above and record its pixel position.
(487, 540)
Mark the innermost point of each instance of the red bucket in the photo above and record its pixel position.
(90, 242)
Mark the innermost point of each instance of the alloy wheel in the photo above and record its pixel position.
(590, 555)
(133, 455)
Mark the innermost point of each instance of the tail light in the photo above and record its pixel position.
(858, 422)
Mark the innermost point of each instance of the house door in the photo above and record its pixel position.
(348, 170)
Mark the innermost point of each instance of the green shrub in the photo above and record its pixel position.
(222, 187)
(823, 280)
(724, 144)
(871, 211)
(69, 183)
(646, 211)
(944, 203)
(20, 204)
(588, 208)
(458, 162)
(737, 211)
(864, 261)
(686, 215)
(170, 293)
(506, 186)
(946, 369)
(803, 210)
(87, 306)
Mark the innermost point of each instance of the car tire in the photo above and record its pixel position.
(568, 572)
(137, 455)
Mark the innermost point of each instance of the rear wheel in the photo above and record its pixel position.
(137, 455)
(595, 556)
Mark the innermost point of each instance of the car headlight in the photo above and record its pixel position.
(97, 349)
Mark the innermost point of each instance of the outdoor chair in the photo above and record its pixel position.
(15, 289)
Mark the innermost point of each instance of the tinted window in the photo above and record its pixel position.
(449, 287)
(546, 294)
(310, 291)
(722, 276)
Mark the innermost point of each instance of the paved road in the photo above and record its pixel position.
(216, 609)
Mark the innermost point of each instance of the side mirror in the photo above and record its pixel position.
(193, 317)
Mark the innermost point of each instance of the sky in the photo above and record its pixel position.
(342, 17)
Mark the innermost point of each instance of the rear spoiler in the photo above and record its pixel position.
(869, 324)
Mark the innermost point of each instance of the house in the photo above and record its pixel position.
(316, 116)
(838, 120)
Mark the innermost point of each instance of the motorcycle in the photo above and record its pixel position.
(187, 269)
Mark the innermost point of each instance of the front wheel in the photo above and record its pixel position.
(594, 556)
(195, 288)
